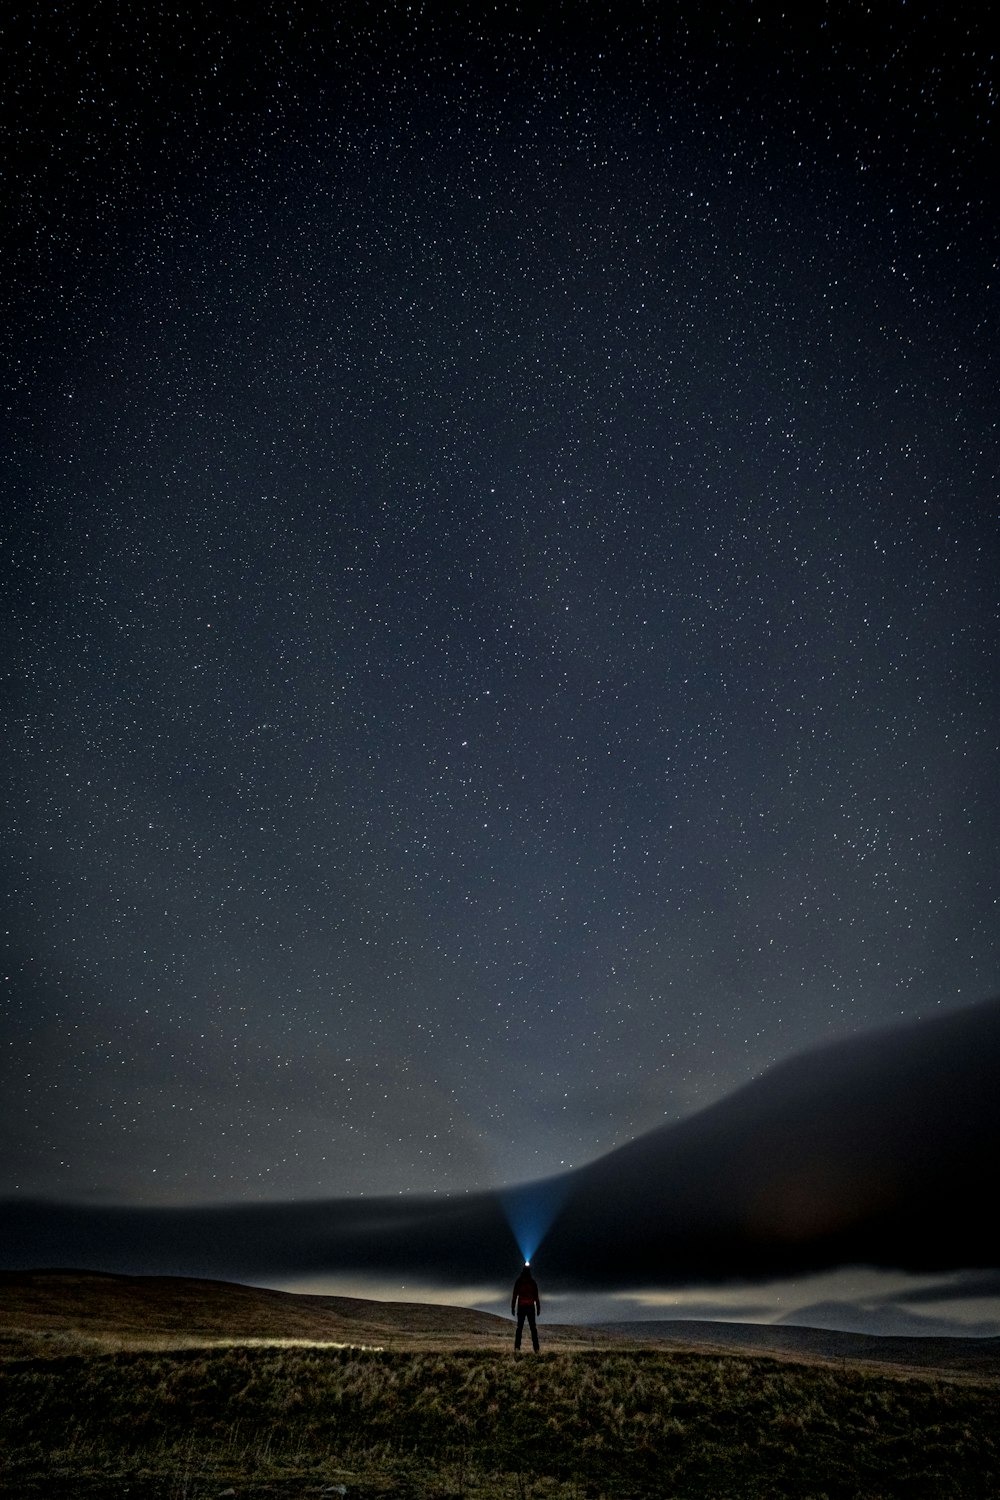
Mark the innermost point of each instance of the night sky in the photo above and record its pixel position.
(500, 578)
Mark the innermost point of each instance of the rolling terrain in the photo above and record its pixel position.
(167, 1387)
(65, 1311)
(60, 1312)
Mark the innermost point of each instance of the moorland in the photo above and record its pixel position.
(172, 1390)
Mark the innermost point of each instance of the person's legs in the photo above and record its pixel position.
(531, 1324)
(520, 1325)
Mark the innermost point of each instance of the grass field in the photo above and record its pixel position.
(255, 1421)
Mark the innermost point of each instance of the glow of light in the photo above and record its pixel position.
(531, 1209)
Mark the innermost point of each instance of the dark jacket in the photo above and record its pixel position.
(525, 1293)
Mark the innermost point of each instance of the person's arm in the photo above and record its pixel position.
(513, 1302)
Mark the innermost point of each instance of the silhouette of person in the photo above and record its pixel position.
(525, 1302)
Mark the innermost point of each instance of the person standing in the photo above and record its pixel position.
(525, 1303)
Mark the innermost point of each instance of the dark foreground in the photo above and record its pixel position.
(246, 1422)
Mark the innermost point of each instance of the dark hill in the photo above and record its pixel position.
(62, 1309)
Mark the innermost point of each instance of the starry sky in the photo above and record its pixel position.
(499, 609)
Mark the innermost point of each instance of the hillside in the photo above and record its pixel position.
(179, 1387)
(65, 1311)
(59, 1310)
(979, 1357)
(620, 1422)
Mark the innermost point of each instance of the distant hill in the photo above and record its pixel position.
(56, 1312)
(888, 1319)
(62, 1310)
(968, 1356)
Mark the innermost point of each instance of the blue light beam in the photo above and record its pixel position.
(531, 1208)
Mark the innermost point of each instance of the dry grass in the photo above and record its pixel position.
(61, 1312)
(630, 1423)
(180, 1390)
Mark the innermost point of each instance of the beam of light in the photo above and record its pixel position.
(531, 1208)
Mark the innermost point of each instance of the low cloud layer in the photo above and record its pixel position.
(878, 1151)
